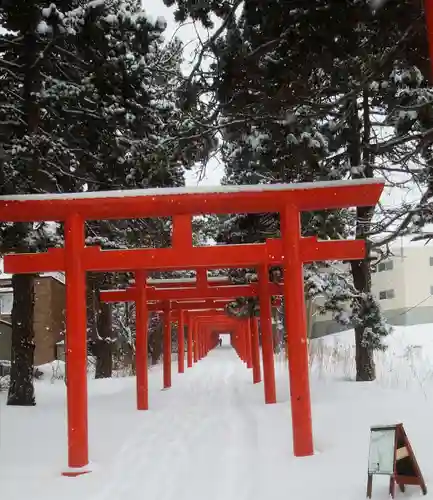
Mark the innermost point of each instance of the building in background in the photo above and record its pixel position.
(49, 317)
(403, 284)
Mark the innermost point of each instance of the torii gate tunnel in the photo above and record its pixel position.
(208, 293)
(291, 251)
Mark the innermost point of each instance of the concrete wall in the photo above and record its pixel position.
(411, 278)
(396, 317)
(49, 318)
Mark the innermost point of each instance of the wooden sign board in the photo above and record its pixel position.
(391, 455)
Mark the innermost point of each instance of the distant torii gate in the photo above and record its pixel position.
(75, 259)
(214, 325)
(206, 321)
(201, 288)
(245, 342)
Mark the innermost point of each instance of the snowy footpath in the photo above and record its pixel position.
(211, 436)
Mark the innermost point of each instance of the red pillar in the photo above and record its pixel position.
(167, 347)
(203, 341)
(141, 354)
(200, 342)
(255, 350)
(267, 336)
(242, 343)
(201, 333)
(76, 345)
(237, 340)
(181, 343)
(236, 343)
(294, 308)
(189, 341)
(247, 334)
(206, 342)
(195, 339)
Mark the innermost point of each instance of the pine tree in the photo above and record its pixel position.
(89, 99)
(34, 157)
(134, 131)
(324, 90)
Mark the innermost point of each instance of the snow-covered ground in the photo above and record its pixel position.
(211, 436)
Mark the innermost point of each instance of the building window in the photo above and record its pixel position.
(387, 265)
(431, 261)
(386, 294)
(431, 290)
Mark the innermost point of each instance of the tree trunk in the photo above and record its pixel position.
(365, 366)
(155, 343)
(21, 390)
(103, 343)
(99, 326)
(360, 155)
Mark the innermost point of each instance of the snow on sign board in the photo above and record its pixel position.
(381, 455)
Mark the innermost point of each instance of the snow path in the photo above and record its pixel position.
(208, 407)
(207, 434)
(212, 437)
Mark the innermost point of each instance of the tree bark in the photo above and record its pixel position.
(103, 343)
(99, 327)
(21, 390)
(155, 343)
(359, 155)
(364, 359)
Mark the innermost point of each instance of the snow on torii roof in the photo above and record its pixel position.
(165, 202)
(181, 281)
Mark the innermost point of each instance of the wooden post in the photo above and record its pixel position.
(255, 350)
(247, 333)
(189, 341)
(167, 347)
(267, 336)
(181, 343)
(200, 341)
(76, 346)
(294, 308)
(141, 346)
(242, 342)
(195, 339)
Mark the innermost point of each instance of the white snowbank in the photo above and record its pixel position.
(212, 436)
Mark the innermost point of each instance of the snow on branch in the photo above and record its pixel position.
(376, 4)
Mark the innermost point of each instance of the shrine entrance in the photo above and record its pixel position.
(290, 252)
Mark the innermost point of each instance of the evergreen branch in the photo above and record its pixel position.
(211, 41)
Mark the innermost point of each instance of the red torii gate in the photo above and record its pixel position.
(76, 259)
